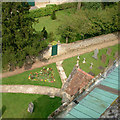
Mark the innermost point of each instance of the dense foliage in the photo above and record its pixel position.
(50, 8)
(89, 23)
(18, 36)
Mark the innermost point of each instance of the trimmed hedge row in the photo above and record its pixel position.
(48, 10)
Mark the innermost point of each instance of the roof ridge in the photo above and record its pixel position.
(85, 73)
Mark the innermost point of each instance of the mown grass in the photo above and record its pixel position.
(22, 79)
(68, 64)
(15, 105)
(52, 25)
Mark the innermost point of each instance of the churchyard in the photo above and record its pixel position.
(27, 105)
(104, 58)
(15, 105)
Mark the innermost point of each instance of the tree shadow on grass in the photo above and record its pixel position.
(2, 110)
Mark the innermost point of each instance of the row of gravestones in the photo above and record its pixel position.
(103, 59)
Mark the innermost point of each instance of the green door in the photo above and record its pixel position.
(54, 50)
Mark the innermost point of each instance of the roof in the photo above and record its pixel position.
(98, 100)
(78, 81)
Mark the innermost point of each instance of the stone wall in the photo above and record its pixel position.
(64, 48)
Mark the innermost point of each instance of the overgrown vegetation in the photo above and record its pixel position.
(50, 8)
(89, 23)
(17, 104)
(19, 39)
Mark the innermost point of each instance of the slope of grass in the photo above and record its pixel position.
(22, 79)
(68, 64)
(15, 105)
(52, 25)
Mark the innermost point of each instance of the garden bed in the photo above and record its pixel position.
(41, 76)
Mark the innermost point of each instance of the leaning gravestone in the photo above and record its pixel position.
(91, 65)
(103, 58)
(95, 54)
(116, 55)
(101, 67)
(109, 51)
(30, 107)
(110, 62)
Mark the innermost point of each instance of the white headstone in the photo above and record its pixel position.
(91, 65)
(84, 60)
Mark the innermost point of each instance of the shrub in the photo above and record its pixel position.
(44, 32)
(53, 16)
(49, 9)
(89, 23)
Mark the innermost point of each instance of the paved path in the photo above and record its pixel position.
(62, 57)
(31, 89)
(61, 72)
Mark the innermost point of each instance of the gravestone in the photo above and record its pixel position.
(116, 54)
(91, 65)
(101, 67)
(91, 73)
(103, 58)
(110, 62)
(95, 54)
(84, 60)
(109, 51)
(78, 57)
(30, 107)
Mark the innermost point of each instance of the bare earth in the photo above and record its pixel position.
(62, 57)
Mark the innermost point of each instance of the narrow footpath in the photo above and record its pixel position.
(30, 89)
(61, 72)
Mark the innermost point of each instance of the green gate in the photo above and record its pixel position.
(54, 50)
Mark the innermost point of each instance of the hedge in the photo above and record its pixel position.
(48, 10)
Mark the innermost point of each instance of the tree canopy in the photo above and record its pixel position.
(19, 39)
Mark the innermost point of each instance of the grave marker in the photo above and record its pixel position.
(84, 60)
(103, 58)
(109, 51)
(96, 51)
(91, 65)
(110, 62)
(116, 54)
(30, 107)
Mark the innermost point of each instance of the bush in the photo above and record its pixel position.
(53, 16)
(44, 32)
(50, 8)
(89, 23)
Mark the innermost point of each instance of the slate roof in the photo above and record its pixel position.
(98, 100)
(78, 81)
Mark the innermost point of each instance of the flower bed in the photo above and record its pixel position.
(44, 75)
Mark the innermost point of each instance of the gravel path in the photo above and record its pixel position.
(30, 89)
(61, 72)
(62, 57)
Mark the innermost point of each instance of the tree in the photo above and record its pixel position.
(18, 36)
(44, 32)
(53, 16)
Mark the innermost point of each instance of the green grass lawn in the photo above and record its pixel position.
(22, 79)
(52, 25)
(68, 64)
(15, 105)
